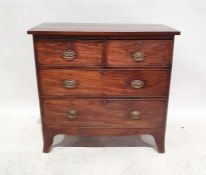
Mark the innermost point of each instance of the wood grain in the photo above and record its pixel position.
(157, 133)
(104, 113)
(104, 82)
(88, 53)
(103, 69)
(157, 52)
(87, 29)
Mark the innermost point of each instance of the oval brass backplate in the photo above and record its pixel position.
(70, 83)
(135, 115)
(138, 56)
(137, 84)
(69, 55)
(72, 114)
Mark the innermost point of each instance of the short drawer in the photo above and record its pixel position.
(135, 83)
(68, 52)
(133, 53)
(125, 113)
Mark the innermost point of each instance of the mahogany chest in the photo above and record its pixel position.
(103, 79)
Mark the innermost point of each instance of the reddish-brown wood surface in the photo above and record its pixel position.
(87, 29)
(105, 82)
(88, 53)
(156, 52)
(103, 69)
(157, 133)
(104, 113)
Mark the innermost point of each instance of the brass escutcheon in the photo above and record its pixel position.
(137, 84)
(70, 83)
(138, 56)
(72, 114)
(69, 55)
(135, 115)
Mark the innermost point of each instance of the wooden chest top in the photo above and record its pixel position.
(102, 29)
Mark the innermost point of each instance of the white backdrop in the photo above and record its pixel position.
(18, 91)
(20, 133)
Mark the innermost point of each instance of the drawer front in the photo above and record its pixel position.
(131, 53)
(104, 113)
(139, 83)
(72, 53)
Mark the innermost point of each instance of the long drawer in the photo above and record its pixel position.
(104, 113)
(135, 83)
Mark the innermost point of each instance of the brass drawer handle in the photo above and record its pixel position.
(137, 84)
(70, 83)
(135, 115)
(72, 114)
(138, 56)
(69, 55)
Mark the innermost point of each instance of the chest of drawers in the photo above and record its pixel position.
(103, 79)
